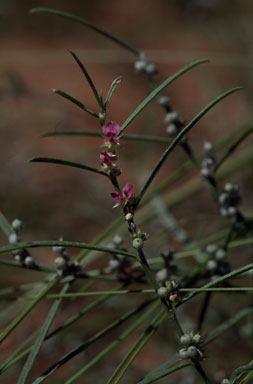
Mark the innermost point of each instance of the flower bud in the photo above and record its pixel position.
(29, 261)
(208, 146)
(129, 216)
(183, 353)
(172, 130)
(13, 238)
(220, 254)
(231, 211)
(163, 101)
(117, 240)
(226, 381)
(228, 187)
(192, 351)
(205, 172)
(17, 224)
(162, 292)
(114, 264)
(137, 243)
(60, 263)
(151, 69)
(140, 65)
(185, 339)
(196, 338)
(211, 265)
(224, 212)
(162, 275)
(171, 117)
(211, 248)
(223, 198)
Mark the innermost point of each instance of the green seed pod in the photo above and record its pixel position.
(137, 243)
(185, 339)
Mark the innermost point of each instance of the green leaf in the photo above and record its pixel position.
(67, 163)
(5, 226)
(137, 347)
(182, 133)
(220, 329)
(132, 137)
(13, 325)
(70, 244)
(88, 78)
(114, 84)
(240, 370)
(74, 101)
(86, 23)
(233, 147)
(42, 334)
(171, 366)
(97, 337)
(158, 90)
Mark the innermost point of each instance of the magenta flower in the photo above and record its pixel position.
(107, 158)
(127, 193)
(111, 130)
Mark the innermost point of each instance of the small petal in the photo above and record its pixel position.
(117, 197)
(128, 191)
(111, 129)
(107, 158)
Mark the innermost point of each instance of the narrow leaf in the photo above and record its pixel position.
(42, 334)
(86, 23)
(136, 349)
(172, 365)
(112, 89)
(70, 244)
(88, 78)
(237, 372)
(132, 137)
(233, 147)
(179, 137)
(74, 101)
(5, 226)
(12, 326)
(159, 89)
(66, 162)
(97, 337)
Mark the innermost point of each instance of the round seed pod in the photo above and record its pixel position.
(220, 254)
(211, 248)
(211, 265)
(163, 101)
(140, 65)
(117, 240)
(208, 146)
(223, 198)
(29, 261)
(228, 187)
(171, 117)
(137, 243)
(151, 69)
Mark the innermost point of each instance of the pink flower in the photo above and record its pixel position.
(111, 130)
(127, 193)
(107, 158)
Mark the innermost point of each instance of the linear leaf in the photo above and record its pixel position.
(86, 23)
(233, 147)
(88, 78)
(70, 244)
(5, 226)
(27, 310)
(52, 160)
(220, 329)
(240, 370)
(159, 89)
(74, 101)
(172, 365)
(137, 347)
(133, 137)
(97, 337)
(180, 136)
(113, 86)
(42, 334)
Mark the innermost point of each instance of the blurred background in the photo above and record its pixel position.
(55, 201)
